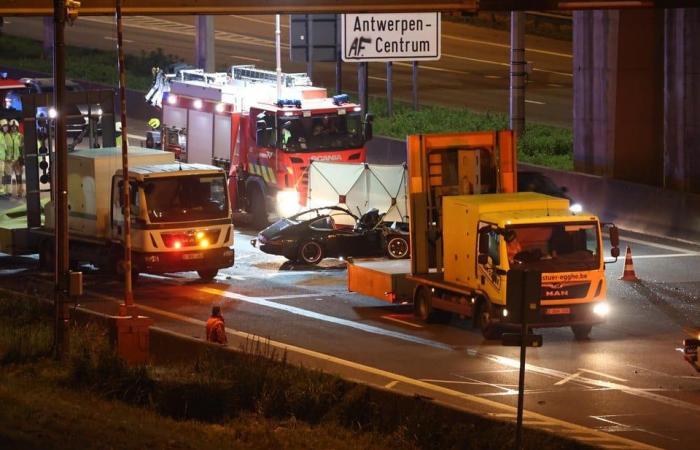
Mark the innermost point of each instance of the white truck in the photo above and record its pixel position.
(180, 214)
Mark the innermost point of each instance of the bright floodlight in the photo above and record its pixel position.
(52, 113)
(576, 208)
(288, 203)
(601, 309)
(172, 99)
(198, 104)
(219, 107)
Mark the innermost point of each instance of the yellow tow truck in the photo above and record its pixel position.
(469, 227)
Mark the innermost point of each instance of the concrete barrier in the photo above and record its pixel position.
(633, 207)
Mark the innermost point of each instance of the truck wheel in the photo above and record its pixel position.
(484, 320)
(397, 247)
(423, 308)
(46, 255)
(581, 332)
(256, 206)
(207, 274)
(311, 252)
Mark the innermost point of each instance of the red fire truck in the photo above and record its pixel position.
(265, 142)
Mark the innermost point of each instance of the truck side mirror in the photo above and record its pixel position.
(368, 131)
(483, 244)
(261, 133)
(614, 241)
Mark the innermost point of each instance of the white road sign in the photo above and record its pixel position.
(391, 37)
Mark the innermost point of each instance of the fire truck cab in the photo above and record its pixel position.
(265, 141)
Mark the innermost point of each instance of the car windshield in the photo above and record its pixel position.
(320, 132)
(554, 247)
(186, 198)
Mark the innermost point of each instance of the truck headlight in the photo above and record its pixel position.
(288, 203)
(601, 309)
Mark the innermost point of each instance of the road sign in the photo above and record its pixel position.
(319, 28)
(391, 37)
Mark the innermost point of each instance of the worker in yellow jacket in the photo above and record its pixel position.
(5, 170)
(15, 156)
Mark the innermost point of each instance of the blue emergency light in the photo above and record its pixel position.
(3, 75)
(340, 99)
(288, 102)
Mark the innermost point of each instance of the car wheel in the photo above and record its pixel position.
(311, 252)
(581, 332)
(256, 206)
(397, 247)
(207, 274)
(484, 320)
(423, 308)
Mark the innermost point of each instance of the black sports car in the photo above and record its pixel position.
(334, 231)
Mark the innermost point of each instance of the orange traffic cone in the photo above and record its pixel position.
(628, 274)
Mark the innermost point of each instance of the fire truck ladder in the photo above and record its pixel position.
(250, 73)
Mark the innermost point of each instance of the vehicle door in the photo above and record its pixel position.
(351, 241)
(491, 275)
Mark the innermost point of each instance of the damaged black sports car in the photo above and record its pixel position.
(333, 232)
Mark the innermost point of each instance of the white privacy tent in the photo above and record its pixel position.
(360, 187)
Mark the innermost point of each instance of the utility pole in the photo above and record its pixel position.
(339, 58)
(362, 82)
(278, 55)
(310, 45)
(414, 78)
(517, 72)
(60, 185)
(205, 56)
(127, 309)
(389, 89)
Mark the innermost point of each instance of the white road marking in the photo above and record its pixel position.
(621, 427)
(499, 63)
(238, 277)
(393, 319)
(323, 317)
(112, 38)
(507, 46)
(135, 136)
(436, 69)
(494, 77)
(391, 384)
(567, 379)
(266, 22)
(602, 374)
(535, 102)
(653, 244)
(377, 78)
(555, 85)
(668, 255)
(246, 58)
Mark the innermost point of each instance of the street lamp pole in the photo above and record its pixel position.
(60, 183)
(127, 308)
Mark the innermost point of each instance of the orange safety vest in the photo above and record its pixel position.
(216, 330)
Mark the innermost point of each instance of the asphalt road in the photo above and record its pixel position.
(627, 387)
(473, 70)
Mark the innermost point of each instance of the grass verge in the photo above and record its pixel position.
(540, 144)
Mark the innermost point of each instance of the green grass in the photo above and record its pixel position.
(99, 66)
(540, 144)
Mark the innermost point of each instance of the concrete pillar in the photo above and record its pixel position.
(204, 46)
(618, 97)
(682, 99)
(517, 72)
(595, 87)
